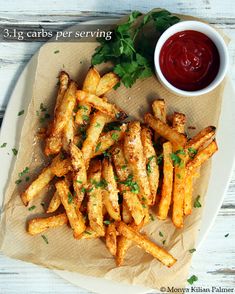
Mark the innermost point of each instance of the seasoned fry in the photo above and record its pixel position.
(80, 174)
(39, 225)
(202, 156)
(201, 138)
(68, 135)
(90, 84)
(93, 132)
(167, 184)
(188, 194)
(107, 82)
(75, 217)
(126, 214)
(123, 244)
(60, 167)
(111, 238)
(89, 234)
(61, 117)
(150, 247)
(54, 203)
(110, 192)
(178, 122)
(159, 109)
(151, 161)
(95, 205)
(134, 205)
(109, 139)
(134, 154)
(101, 105)
(176, 138)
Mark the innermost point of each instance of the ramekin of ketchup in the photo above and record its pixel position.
(191, 58)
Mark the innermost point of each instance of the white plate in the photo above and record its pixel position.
(220, 176)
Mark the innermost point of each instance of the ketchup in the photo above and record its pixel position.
(189, 60)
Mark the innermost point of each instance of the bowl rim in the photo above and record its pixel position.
(192, 25)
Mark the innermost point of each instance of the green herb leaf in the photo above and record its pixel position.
(97, 148)
(115, 136)
(82, 107)
(197, 203)
(107, 222)
(177, 161)
(27, 179)
(56, 51)
(159, 159)
(45, 239)
(192, 152)
(85, 118)
(87, 232)
(70, 198)
(148, 167)
(20, 112)
(124, 167)
(106, 154)
(17, 182)
(15, 151)
(78, 181)
(178, 176)
(160, 234)
(97, 125)
(192, 279)
(3, 145)
(31, 208)
(192, 250)
(83, 190)
(25, 171)
(42, 108)
(226, 235)
(102, 184)
(130, 183)
(163, 242)
(151, 217)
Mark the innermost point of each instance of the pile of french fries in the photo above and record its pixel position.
(111, 176)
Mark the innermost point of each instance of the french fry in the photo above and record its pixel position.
(90, 85)
(202, 156)
(126, 214)
(159, 109)
(111, 238)
(167, 184)
(61, 117)
(165, 131)
(178, 122)
(74, 216)
(123, 244)
(101, 105)
(201, 138)
(134, 154)
(95, 204)
(107, 82)
(54, 203)
(60, 166)
(151, 161)
(134, 205)
(109, 139)
(159, 253)
(94, 130)
(63, 86)
(188, 194)
(110, 193)
(80, 174)
(39, 225)
(89, 234)
(68, 133)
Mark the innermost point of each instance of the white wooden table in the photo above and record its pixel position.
(214, 262)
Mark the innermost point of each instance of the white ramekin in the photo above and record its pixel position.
(213, 35)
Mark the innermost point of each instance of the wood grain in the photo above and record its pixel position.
(214, 262)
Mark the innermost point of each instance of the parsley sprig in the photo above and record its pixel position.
(129, 50)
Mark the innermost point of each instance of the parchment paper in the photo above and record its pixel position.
(90, 257)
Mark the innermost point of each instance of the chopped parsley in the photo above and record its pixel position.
(45, 239)
(115, 136)
(83, 190)
(27, 179)
(20, 112)
(25, 171)
(113, 126)
(192, 152)
(14, 151)
(70, 198)
(160, 234)
(31, 208)
(56, 51)
(97, 125)
(82, 107)
(197, 203)
(192, 250)
(97, 148)
(151, 217)
(124, 167)
(107, 222)
(148, 167)
(163, 242)
(178, 176)
(3, 145)
(226, 235)
(42, 108)
(192, 279)
(159, 159)
(17, 182)
(85, 118)
(134, 187)
(177, 161)
(78, 181)
(101, 184)
(106, 154)
(87, 232)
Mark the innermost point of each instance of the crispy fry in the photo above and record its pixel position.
(63, 86)
(109, 139)
(123, 244)
(101, 105)
(107, 82)
(134, 154)
(68, 133)
(54, 203)
(111, 238)
(39, 225)
(176, 138)
(89, 234)
(80, 174)
(178, 123)
(75, 217)
(151, 161)
(150, 247)
(93, 132)
(167, 185)
(202, 156)
(110, 193)
(201, 138)
(95, 205)
(159, 109)
(126, 214)
(60, 167)
(188, 194)
(61, 117)
(134, 205)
